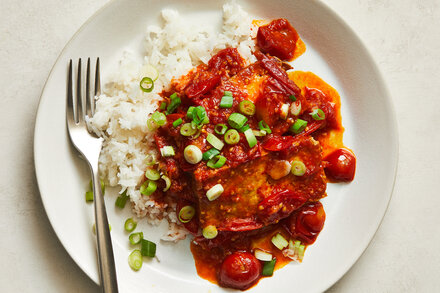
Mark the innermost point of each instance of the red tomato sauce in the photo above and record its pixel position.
(261, 196)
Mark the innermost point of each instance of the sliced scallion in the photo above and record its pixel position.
(298, 168)
(163, 106)
(186, 214)
(130, 225)
(259, 132)
(192, 154)
(220, 129)
(292, 98)
(89, 196)
(226, 102)
(284, 111)
(146, 84)
(175, 102)
(152, 174)
(263, 126)
(237, 120)
(187, 130)
(167, 182)
(209, 154)
(121, 200)
(298, 126)
(318, 114)
(214, 192)
(210, 232)
(247, 108)
(250, 137)
(189, 113)
(135, 260)
(244, 128)
(177, 122)
(148, 187)
(135, 238)
(148, 248)
(214, 141)
(167, 151)
(216, 162)
(269, 267)
(150, 160)
(262, 255)
(232, 136)
(279, 241)
(227, 93)
(200, 117)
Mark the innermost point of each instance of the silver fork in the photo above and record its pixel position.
(89, 146)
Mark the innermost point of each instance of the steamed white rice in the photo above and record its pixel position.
(123, 110)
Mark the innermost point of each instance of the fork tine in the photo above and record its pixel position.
(89, 102)
(70, 109)
(97, 79)
(79, 104)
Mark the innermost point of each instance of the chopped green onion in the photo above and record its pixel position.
(216, 162)
(189, 113)
(262, 255)
(150, 160)
(292, 98)
(135, 238)
(301, 250)
(250, 137)
(214, 141)
(279, 241)
(220, 129)
(186, 214)
(259, 132)
(152, 126)
(135, 260)
(121, 200)
(247, 108)
(295, 108)
(237, 120)
(318, 114)
(244, 128)
(263, 126)
(200, 117)
(209, 154)
(210, 232)
(102, 185)
(192, 154)
(152, 174)
(226, 102)
(298, 126)
(294, 245)
(148, 187)
(146, 84)
(130, 225)
(177, 122)
(268, 267)
(159, 118)
(232, 136)
(227, 93)
(148, 248)
(167, 151)
(163, 106)
(214, 192)
(89, 196)
(175, 102)
(298, 168)
(167, 182)
(284, 111)
(187, 130)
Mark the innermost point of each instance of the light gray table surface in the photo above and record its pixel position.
(404, 38)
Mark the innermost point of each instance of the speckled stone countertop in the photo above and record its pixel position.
(404, 38)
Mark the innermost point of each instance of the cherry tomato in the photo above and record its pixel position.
(341, 165)
(278, 38)
(201, 84)
(307, 222)
(239, 270)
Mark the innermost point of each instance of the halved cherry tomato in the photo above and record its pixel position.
(341, 165)
(239, 270)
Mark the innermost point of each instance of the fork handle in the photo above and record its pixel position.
(106, 261)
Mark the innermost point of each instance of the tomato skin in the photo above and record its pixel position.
(341, 165)
(239, 270)
(307, 222)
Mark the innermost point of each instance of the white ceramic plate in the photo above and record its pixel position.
(354, 211)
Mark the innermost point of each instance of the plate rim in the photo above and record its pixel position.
(389, 102)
